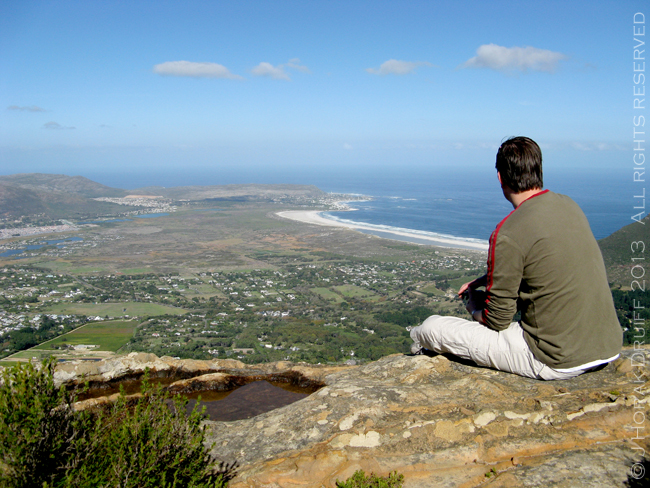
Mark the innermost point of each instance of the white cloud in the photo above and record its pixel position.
(267, 69)
(347, 146)
(278, 72)
(396, 67)
(194, 70)
(502, 58)
(33, 108)
(55, 126)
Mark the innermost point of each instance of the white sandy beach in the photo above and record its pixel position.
(314, 217)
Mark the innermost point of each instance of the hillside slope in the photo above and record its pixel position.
(54, 196)
(60, 196)
(77, 185)
(618, 253)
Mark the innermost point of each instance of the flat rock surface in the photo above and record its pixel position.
(446, 424)
(438, 421)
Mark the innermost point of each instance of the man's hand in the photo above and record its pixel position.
(464, 288)
(475, 303)
(471, 285)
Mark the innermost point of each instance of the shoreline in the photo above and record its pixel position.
(314, 217)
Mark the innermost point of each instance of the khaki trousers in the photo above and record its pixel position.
(504, 350)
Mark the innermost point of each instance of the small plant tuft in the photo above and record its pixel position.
(360, 480)
(492, 472)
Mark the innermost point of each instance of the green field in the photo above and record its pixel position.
(431, 289)
(456, 283)
(29, 354)
(118, 309)
(355, 292)
(135, 271)
(109, 336)
(201, 290)
(63, 267)
(8, 364)
(327, 294)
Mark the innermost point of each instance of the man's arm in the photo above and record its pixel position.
(505, 272)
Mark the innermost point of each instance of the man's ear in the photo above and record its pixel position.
(499, 176)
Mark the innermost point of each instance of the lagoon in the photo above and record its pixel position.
(32, 247)
(152, 215)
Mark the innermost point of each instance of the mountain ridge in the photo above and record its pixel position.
(61, 196)
(53, 183)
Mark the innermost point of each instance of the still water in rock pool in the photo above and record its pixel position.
(244, 402)
(248, 401)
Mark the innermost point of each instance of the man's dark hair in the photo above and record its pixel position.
(519, 162)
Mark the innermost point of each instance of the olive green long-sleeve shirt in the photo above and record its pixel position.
(544, 260)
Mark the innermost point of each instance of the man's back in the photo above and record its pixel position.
(545, 261)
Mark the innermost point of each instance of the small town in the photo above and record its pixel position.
(332, 311)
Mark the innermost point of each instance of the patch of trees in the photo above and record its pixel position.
(633, 311)
(27, 337)
(406, 317)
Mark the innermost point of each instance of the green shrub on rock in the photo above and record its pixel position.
(150, 444)
(148, 441)
(38, 428)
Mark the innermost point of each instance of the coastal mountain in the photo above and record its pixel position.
(58, 196)
(55, 196)
(53, 183)
(18, 201)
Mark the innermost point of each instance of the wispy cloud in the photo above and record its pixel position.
(33, 108)
(195, 70)
(397, 67)
(56, 126)
(278, 72)
(267, 69)
(500, 58)
(596, 146)
(295, 64)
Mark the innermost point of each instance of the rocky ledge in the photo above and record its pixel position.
(440, 422)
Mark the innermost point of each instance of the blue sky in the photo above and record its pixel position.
(135, 86)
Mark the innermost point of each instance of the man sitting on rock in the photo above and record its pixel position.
(543, 260)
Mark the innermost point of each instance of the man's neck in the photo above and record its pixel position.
(517, 198)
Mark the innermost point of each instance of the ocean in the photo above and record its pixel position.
(460, 203)
(450, 205)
